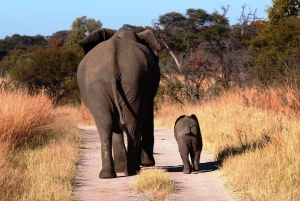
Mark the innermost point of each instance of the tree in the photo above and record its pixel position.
(18, 42)
(136, 29)
(277, 51)
(247, 21)
(81, 27)
(52, 69)
(59, 38)
(213, 55)
(283, 9)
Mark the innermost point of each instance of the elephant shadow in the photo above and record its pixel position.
(204, 167)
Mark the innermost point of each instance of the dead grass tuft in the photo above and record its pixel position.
(154, 181)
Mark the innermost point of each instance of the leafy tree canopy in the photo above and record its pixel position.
(282, 9)
(59, 38)
(18, 42)
(136, 29)
(53, 69)
(81, 27)
(182, 31)
(277, 51)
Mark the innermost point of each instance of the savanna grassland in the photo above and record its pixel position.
(39, 148)
(255, 136)
(253, 133)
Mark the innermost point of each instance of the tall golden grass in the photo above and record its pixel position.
(255, 135)
(39, 149)
(24, 117)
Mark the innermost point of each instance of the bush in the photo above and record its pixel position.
(53, 70)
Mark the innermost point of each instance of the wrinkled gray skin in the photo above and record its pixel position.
(188, 136)
(118, 79)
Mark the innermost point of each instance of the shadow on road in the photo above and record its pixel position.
(204, 167)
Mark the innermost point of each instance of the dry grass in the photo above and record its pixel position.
(11, 174)
(24, 117)
(153, 181)
(85, 115)
(77, 114)
(255, 135)
(38, 149)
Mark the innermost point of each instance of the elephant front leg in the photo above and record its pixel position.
(119, 152)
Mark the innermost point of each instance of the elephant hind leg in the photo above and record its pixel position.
(146, 158)
(108, 170)
(132, 166)
(192, 155)
(147, 133)
(184, 153)
(105, 131)
(197, 160)
(187, 168)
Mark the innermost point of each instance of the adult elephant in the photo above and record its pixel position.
(118, 79)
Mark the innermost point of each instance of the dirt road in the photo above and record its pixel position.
(205, 185)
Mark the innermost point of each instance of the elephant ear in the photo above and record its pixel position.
(150, 39)
(95, 38)
(179, 119)
(195, 118)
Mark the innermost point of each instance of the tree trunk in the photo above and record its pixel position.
(173, 55)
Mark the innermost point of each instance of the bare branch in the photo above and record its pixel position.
(225, 9)
(246, 20)
(173, 55)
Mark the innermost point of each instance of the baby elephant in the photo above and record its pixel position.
(188, 136)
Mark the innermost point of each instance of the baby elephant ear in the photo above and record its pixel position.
(194, 117)
(150, 39)
(95, 38)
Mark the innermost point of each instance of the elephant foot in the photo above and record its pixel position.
(120, 167)
(196, 167)
(132, 171)
(147, 163)
(107, 174)
(147, 160)
(187, 170)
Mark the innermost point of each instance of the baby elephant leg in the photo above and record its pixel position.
(184, 153)
(196, 161)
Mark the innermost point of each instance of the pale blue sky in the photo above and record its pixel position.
(45, 17)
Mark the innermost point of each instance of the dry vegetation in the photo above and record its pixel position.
(154, 183)
(38, 149)
(255, 136)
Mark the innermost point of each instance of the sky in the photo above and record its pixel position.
(45, 17)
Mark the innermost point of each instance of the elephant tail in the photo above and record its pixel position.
(117, 103)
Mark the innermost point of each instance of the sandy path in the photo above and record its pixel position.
(205, 185)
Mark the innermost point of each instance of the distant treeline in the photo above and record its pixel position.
(208, 55)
